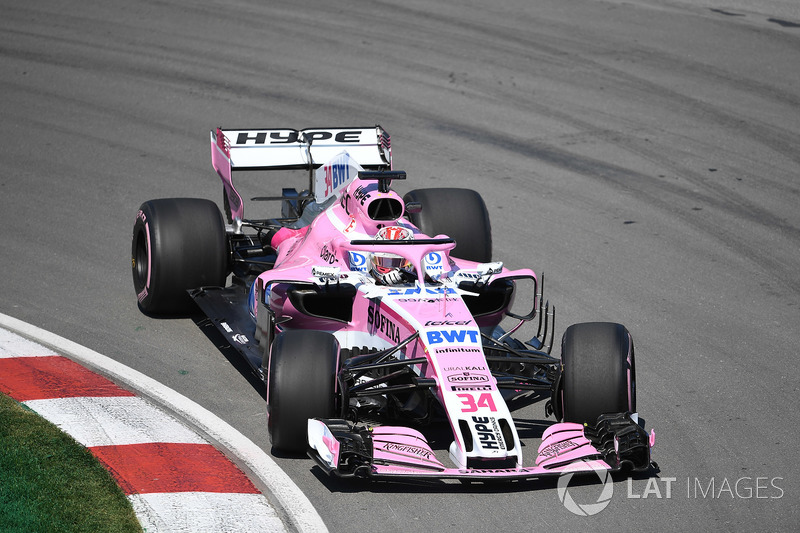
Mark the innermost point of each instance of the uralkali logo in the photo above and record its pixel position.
(585, 509)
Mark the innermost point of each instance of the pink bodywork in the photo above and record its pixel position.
(449, 339)
(449, 336)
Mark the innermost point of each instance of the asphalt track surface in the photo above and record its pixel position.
(643, 154)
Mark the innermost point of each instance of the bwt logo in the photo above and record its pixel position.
(358, 262)
(452, 336)
(433, 262)
(336, 174)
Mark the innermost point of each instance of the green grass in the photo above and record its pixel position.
(49, 482)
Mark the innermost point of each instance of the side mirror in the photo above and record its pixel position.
(524, 304)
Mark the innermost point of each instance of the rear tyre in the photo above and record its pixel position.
(178, 244)
(599, 374)
(301, 385)
(457, 213)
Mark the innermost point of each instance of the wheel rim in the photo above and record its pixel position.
(141, 266)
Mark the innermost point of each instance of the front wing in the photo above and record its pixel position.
(614, 443)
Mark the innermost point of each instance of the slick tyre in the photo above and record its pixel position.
(599, 374)
(457, 213)
(178, 244)
(301, 385)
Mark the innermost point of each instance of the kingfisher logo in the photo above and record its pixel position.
(452, 336)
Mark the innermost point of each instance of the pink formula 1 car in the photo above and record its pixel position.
(371, 317)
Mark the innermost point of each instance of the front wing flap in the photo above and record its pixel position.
(614, 443)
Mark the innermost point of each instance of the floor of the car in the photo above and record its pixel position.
(226, 309)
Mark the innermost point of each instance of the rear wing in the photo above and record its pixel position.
(289, 149)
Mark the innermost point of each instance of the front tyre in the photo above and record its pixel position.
(302, 384)
(599, 374)
(178, 244)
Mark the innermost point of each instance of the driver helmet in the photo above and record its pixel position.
(382, 263)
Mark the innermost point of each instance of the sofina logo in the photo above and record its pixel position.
(585, 509)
